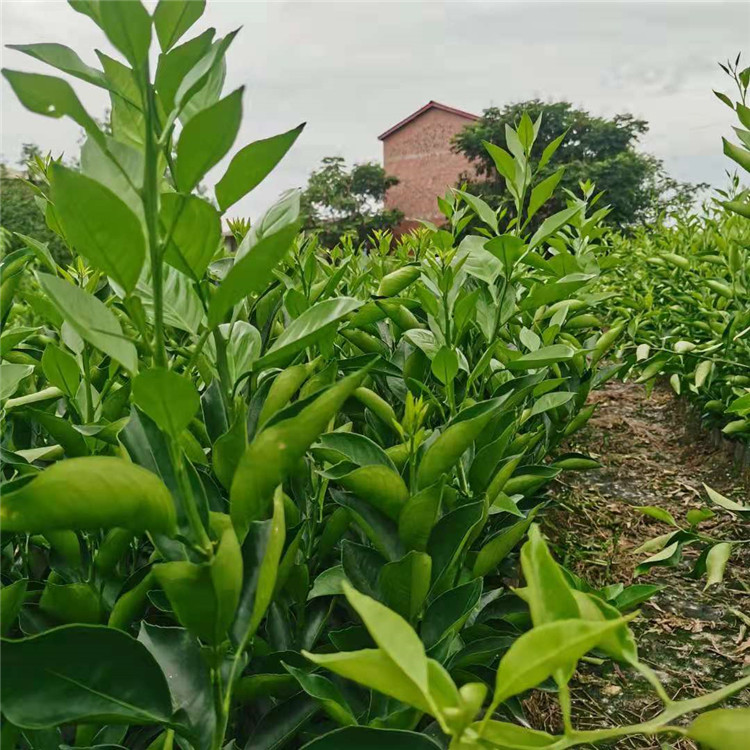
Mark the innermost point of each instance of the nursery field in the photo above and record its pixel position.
(484, 486)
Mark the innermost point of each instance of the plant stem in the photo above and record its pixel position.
(150, 197)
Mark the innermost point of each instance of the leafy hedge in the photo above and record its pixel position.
(222, 470)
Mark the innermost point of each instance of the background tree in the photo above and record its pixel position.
(339, 200)
(636, 185)
(20, 212)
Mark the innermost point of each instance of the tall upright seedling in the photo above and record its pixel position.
(131, 320)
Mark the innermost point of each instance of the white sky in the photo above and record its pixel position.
(353, 69)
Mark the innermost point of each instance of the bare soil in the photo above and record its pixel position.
(697, 640)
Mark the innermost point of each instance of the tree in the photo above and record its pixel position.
(20, 212)
(636, 185)
(348, 201)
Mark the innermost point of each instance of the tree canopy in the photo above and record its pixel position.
(602, 150)
(341, 200)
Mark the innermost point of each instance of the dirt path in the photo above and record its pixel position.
(696, 640)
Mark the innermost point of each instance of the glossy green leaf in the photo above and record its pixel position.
(547, 355)
(250, 273)
(194, 228)
(261, 554)
(541, 652)
(251, 165)
(204, 596)
(11, 376)
(171, 400)
(51, 97)
(314, 323)
(82, 673)
(61, 369)
(371, 738)
(89, 493)
(404, 583)
(418, 516)
(513, 737)
(128, 27)
(716, 563)
(179, 655)
(445, 452)
(722, 729)
(276, 451)
(11, 600)
(65, 59)
(206, 139)
(172, 18)
(326, 693)
(548, 594)
(91, 319)
(99, 225)
(498, 547)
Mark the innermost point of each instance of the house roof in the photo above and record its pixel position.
(430, 105)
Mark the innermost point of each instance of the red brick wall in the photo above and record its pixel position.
(420, 155)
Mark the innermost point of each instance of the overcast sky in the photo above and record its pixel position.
(353, 69)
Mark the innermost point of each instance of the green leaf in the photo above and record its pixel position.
(371, 738)
(250, 273)
(716, 562)
(393, 635)
(445, 365)
(194, 227)
(309, 327)
(61, 369)
(449, 611)
(128, 27)
(507, 736)
(91, 319)
(547, 355)
(725, 502)
(552, 224)
(251, 165)
(80, 673)
(418, 516)
(722, 729)
(177, 63)
(541, 652)
(449, 537)
(172, 18)
(11, 376)
(405, 583)
(542, 192)
(326, 693)
(551, 401)
(548, 594)
(350, 446)
(51, 97)
(204, 596)
(89, 493)
(12, 598)
(65, 59)
(180, 658)
(206, 138)
(445, 452)
(171, 400)
(98, 225)
(498, 547)
(276, 452)
(737, 154)
(668, 557)
(328, 583)
(373, 668)
(261, 554)
(658, 513)
(71, 602)
(481, 209)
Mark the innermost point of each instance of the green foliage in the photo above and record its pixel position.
(341, 201)
(216, 462)
(594, 149)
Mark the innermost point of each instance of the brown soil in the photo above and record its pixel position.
(696, 640)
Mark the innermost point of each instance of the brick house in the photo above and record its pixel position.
(418, 151)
